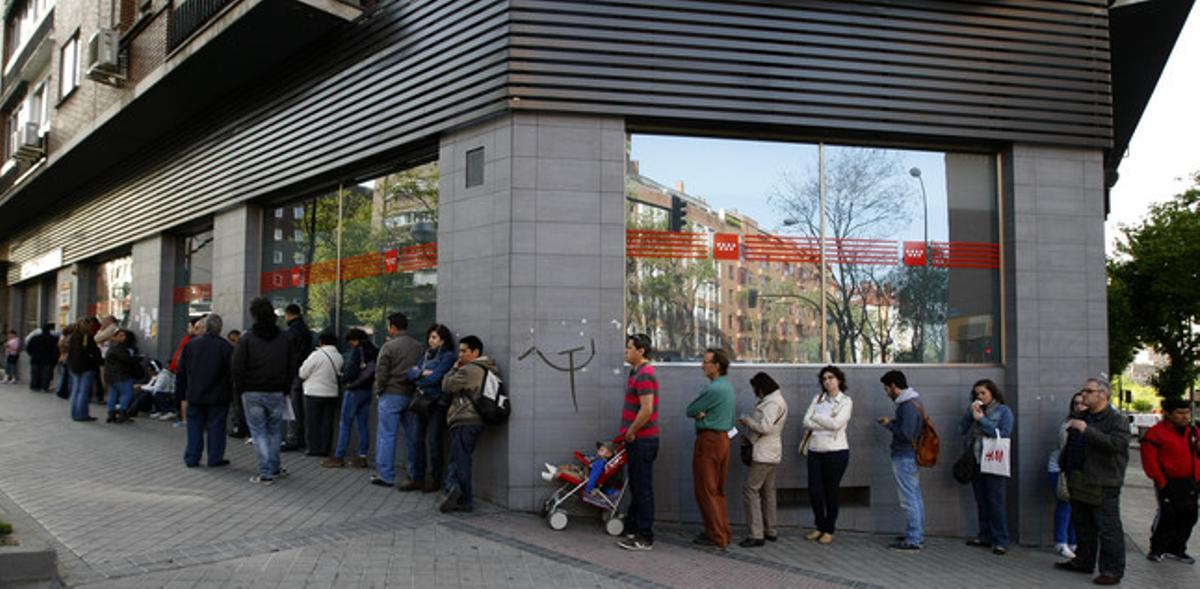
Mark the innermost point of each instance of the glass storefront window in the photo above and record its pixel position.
(359, 253)
(114, 289)
(725, 241)
(192, 295)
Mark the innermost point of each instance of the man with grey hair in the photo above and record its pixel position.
(1094, 461)
(205, 382)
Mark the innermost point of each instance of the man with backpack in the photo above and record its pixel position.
(906, 428)
(465, 384)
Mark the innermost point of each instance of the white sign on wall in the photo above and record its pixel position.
(46, 262)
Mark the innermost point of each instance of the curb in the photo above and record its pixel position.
(32, 560)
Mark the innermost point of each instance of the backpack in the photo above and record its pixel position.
(492, 405)
(927, 443)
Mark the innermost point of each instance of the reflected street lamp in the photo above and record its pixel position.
(915, 172)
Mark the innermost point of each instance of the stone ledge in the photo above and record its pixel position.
(29, 561)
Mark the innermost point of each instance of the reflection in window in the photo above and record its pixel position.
(192, 297)
(114, 289)
(910, 271)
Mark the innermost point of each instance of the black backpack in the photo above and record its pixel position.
(492, 405)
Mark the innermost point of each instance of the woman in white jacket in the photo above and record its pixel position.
(320, 373)
(827, 449)
(766, 433)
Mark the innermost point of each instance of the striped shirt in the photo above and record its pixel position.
(641, 382)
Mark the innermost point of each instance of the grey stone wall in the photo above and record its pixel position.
(153, 290)
(1057, 319)
(237, 247)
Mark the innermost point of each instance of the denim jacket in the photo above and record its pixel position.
(439, 365)
(996, 418)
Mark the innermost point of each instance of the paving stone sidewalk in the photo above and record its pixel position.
(122, 511)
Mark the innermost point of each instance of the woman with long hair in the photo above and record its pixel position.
(356, 404)
(986, 417)
(83, 360)
(766, 435)
(827, 449)
(1064, 530)
(264, 364)
(430, 421)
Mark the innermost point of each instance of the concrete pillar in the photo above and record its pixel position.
(534, 256)
(237, 247)
(153, 287)
(1057, 314)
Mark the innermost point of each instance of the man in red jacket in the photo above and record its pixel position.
(1171, 458)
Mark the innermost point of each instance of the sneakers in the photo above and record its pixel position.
(904, 546)
(1180, 557)
(168, 416)
(637, 544)
(1064, 551)
(450, 500)
(1070, 565)
(751, 543)
(1154, 556)
(155, 415)
(333, 462)
(379, 482)
(999, 550)
(260, 480)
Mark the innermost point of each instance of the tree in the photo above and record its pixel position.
(1157, 277)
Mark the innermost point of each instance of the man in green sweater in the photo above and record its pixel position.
(713, 412)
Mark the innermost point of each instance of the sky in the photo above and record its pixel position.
(1163, 152)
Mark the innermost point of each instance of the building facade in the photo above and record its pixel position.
(874, 184)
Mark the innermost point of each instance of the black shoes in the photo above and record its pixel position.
(450, 500)
(903, 546)
(1069, 565)
(751, 543)
(219, 464)
(410, 485)
(375, 480)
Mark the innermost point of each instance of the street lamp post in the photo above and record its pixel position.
(916, 173)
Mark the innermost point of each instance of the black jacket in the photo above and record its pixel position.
(43, 349)
(205, 371)
(1106, 448)
(360, 371)
(120, 363)
(264, 364)
(301, 336)
(83, 354)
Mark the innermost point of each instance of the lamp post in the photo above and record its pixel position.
(915, 172)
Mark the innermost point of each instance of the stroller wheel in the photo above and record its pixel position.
(558, 520)
(615, 526)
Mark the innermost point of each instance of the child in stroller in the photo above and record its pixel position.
(597, 480)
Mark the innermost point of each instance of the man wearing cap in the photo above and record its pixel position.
(1171, 458)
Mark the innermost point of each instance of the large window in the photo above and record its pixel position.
(802, 253)
(114, 289)
(191, 297)
(68, 75)
(354, 255)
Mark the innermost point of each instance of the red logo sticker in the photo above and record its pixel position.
(914, 253)
(726, 246)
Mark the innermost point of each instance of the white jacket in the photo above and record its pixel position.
(320, 372)
(827, 418)
(766, 428)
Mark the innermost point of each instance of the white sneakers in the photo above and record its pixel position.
(550, 473)
(1064, 551)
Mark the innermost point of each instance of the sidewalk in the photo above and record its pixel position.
(122, 511)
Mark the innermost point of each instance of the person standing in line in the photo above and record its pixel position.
(205, 381)
(639, 428)
(1064, 530)
(12, 353)
(395, 391)
(712, 411)
(986, 417)
(828, 450)
(98, 387)
(430, 428)
(238, 429)
(1095, 468)
(356, 404)
(302, 343)
(1171, 458)
(83, 360)
(321, 373)
(766, 434)
(120, 365)
(43, 354)
(263, 367)
(64, 382)
(905, 428)
(464, 383)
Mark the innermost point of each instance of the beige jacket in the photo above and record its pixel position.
(766, 428)
(828, 428)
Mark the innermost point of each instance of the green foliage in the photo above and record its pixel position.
(1123, 338)
(1157, 278)
(1142, 405)
(5, 528)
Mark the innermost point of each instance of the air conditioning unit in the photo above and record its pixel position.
(104, 57)
(27, 143)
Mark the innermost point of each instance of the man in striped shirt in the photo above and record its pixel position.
(639, 426)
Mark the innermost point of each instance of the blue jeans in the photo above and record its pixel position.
(390, 409)
(458, 474)
(990, 493)
(356, 411)
(908, 483)
(64, 383)
(640, 515)
(81, 394)
(205, 420)
(264, 416)
(423, 435)
(123, 390)
(1064, 530)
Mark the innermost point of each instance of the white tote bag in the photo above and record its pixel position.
(995, 458)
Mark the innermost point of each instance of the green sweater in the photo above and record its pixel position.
(717, 403)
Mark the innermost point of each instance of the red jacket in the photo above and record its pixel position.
(1165, 453)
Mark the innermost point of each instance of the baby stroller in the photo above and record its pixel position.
(573, 486)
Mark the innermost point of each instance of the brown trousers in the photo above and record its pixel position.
(710, 465)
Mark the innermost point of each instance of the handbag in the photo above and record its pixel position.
(997, 459)
(422, 404)
(1063, 488)
(966, 467)
(747, 451)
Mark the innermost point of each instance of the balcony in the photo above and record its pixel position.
(189, 17)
